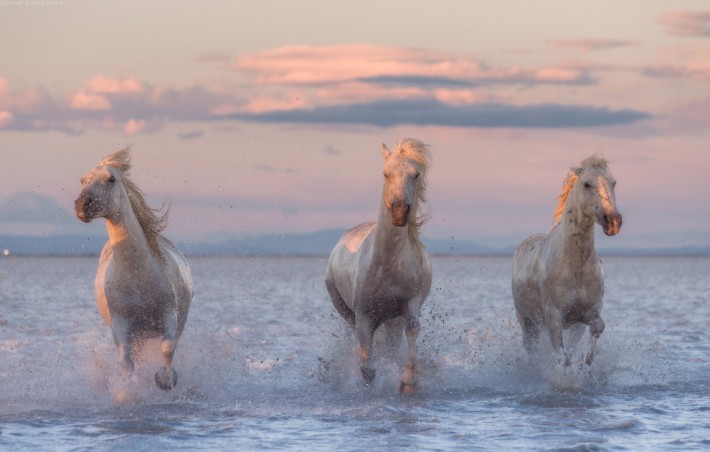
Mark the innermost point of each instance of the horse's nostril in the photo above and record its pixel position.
(87, 202)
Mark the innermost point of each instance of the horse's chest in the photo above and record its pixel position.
(138, 299)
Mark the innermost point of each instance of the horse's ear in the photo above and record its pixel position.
(385, 152)
(576, 170)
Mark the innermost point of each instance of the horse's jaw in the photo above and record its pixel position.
(84, 216)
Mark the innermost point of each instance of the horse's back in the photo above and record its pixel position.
(180, 272)
(180, 267)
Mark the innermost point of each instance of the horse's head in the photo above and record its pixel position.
(100, 194)
(400, 190)
(595, 189)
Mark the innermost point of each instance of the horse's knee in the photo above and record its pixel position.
(596, 327)
(411, 325)
(167, 347)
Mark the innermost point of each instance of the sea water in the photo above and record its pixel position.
(265, 362)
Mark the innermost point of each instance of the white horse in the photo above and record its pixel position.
(143, 284)
(557, 278)
(379, 272)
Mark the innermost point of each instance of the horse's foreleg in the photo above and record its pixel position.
(531, 331)
(409, 384)
(122, 339)
(596, 328)
(364, 331)
(553, 321)
(166, 378)
(395, 331)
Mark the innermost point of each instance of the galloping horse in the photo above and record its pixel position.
(379, 272)
(143, 284)
(557, 278)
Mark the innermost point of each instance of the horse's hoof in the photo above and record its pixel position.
(408, 389)
(368, 374)
(166, 379)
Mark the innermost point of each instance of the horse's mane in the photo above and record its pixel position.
(419, 153)
(595, 161)
(151, 223)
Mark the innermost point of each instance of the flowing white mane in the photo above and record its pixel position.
(151, 223)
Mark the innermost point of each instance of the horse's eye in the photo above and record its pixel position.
(386, 175)
(416, 176)
(112, 179)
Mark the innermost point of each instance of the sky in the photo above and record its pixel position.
(261, 117)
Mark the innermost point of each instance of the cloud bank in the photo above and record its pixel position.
(433, 112)
(341, 84)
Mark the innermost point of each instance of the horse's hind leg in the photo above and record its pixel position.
(395, 331)
(339, 303)
(166, 378)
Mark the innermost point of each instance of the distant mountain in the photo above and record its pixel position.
(71, 245)
(318, 243)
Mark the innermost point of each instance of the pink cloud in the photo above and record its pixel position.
(106, 85)
(5, 118)
(26, 101)
(687, 23)
(83, 100)
(558, 74)
(699, 71)
(304, 65)
(134, 126)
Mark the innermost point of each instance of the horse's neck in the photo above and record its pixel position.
(390, 240)
(127, 239)
(576, 233)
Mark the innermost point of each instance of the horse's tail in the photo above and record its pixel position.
(339, 303)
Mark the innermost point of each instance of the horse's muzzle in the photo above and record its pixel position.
(82, 208)
(611, 224)
(400, 213)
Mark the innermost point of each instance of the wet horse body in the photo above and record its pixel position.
(143, 283)
(558, 280)
(379, 272)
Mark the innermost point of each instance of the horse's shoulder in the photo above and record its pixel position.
(530, 243)
(360, 229)
(353, 238)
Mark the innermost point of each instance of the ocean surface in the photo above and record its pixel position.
(266, 363)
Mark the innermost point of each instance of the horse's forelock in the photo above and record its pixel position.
(595, 161)
(120, 160)
(417, 152)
